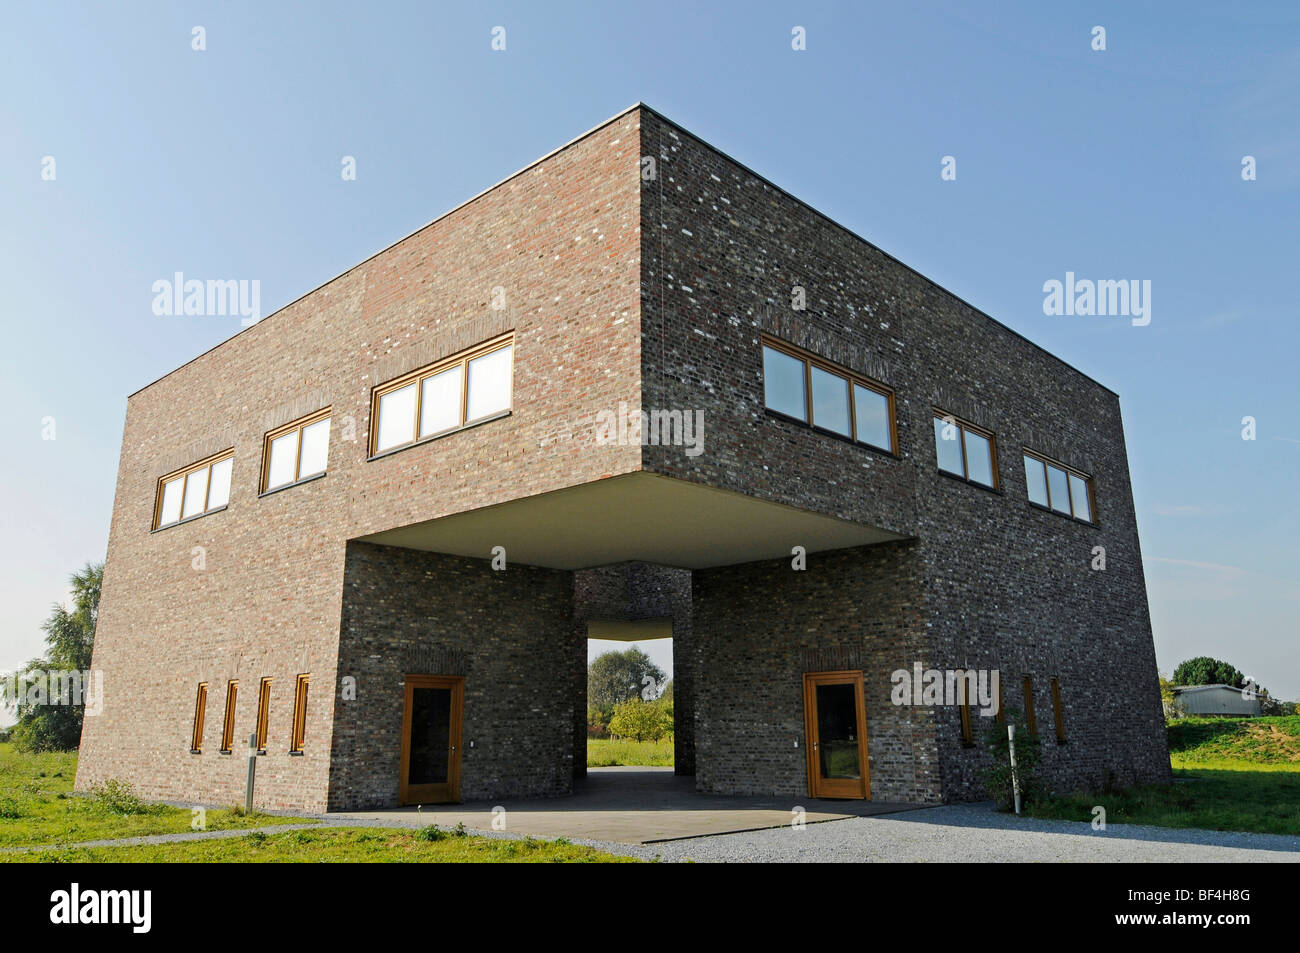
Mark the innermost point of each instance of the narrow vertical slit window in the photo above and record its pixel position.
(299, 713)
(200, 709)
(1057, 711)
(1030, 720)
(963, 691)
(228, 725)
(263, 713)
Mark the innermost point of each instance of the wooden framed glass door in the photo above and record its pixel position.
(835, 726)
(431, 729)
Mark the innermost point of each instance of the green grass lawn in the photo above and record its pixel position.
(37, 806)
(334, 844)
(607, 752)
(1231, 774)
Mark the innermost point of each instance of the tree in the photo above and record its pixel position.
(69, 639)
(1204, 670)
(639, 720)
(618, 676)
(1168, 700)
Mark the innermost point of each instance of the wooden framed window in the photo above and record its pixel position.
(966, 451)
(1056, 487)
(296, 452)
(802, 387)
(299, 713)
(967, 732)
(192, 491)
(1057, 711)
(228, 726)
(469, 387)
(200, 708)
(1030, 719)
(263, 713)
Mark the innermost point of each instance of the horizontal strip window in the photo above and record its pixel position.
(1059, 488)
(443, 397)
(801, 386)
(964, 450)
(197, 489)
(297, 451)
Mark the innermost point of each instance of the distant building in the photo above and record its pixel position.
(1216, 700)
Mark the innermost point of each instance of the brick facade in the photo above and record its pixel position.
(650, 292)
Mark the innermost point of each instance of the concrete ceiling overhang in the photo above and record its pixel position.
(636, 516)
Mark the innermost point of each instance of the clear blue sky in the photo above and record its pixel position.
(1117, 164)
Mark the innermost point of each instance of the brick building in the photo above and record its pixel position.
(377, 527)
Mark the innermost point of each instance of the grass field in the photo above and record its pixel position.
(37, 806)
(335, 844)
(607, 752)
(1231, 774)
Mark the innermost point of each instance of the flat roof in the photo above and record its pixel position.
(596, 128)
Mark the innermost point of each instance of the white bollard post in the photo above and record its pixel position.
(1015, 779)
(252, 772)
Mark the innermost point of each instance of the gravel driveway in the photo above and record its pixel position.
(968, 833)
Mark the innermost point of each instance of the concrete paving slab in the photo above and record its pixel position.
(630, 806)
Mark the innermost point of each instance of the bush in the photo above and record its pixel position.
(997, 775)
(431, 833)
(640, 720)
(118, 797)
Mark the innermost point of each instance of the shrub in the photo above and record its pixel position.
(430, 833)
(997, 774)
(118, 797)
(639, 720)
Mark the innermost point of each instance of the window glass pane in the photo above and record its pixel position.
(979, 458)
(219, 492)
(489, 384)
(440, 402)
(284, 458)
(396, 417)
(946, 446)
(830, 401)
(171, 502)
(872, 412)
(1079, 494)
(1036, 479)
(315, 448)
(1057, 483)
(783, 384)
(196, 488)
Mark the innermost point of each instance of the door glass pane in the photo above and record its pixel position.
(171, 504)
(396, 418)
(1079, 494)
(315, 448)
(947, 447)
(979, 458)
(872, 411)
(489, 384)
(1057, 482)
(783, 384)
(430, 735)
(219, 492)
(1036, 480)
(837, 731)
(284, 458)
(440, 402)
(830, 401)
(196, 489)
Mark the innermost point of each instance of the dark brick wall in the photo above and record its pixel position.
(1005, 584)
(510, 634)
(761, 626)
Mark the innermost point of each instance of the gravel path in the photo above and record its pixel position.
(969, 833)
